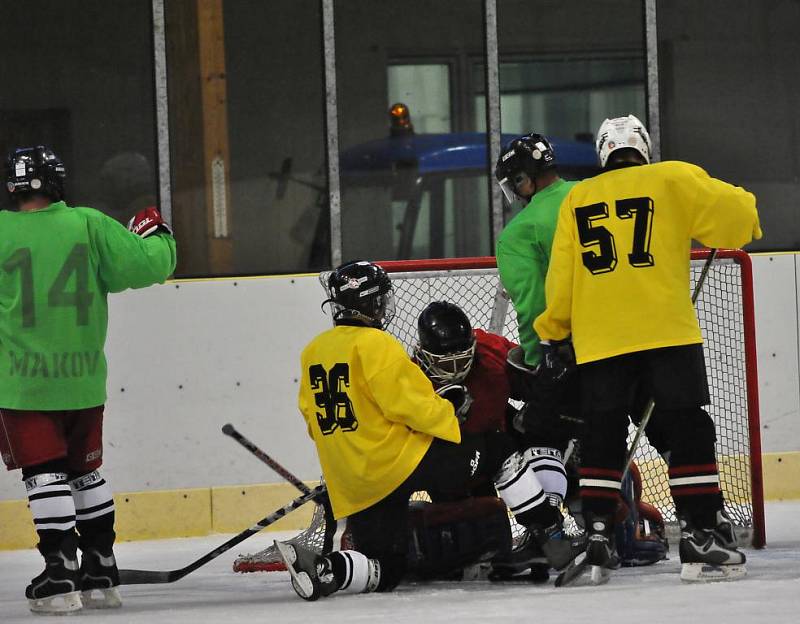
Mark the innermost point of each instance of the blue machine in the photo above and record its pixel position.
(436, 187)
(449, 153)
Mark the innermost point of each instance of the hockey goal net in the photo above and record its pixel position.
(725, 311)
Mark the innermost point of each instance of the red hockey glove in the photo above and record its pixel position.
(147, 222)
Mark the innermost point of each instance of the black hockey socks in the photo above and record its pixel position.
(602, 460)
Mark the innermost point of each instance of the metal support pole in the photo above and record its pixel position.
(162, 110)
(332, 127)
(493, 115)
(651, 48)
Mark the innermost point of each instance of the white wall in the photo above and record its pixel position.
(187, 357)
(775, 281)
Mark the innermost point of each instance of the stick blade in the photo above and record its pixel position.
(146, 577)
(227, 429)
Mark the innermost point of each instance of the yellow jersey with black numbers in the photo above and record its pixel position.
(618, 279)
(371, 412)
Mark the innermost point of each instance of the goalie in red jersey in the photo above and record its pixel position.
(452, 355)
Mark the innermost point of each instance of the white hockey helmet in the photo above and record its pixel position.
(619, 133)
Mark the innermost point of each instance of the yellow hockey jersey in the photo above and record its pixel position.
(371, 412)
(618, 279)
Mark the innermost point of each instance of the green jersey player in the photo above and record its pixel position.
(527, 170)
(57, 265)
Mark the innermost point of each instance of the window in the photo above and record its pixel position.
(83, 85)
(422, 194)
(250, 191)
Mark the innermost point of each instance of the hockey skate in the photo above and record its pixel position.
(311, 573)
(725, 531)
(528, 555)
(57, 589)
(710, 554)
(559, 548)
(99, 580)
(594, 564)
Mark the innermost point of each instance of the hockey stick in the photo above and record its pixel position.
(324, 501)
(651, 404)
(137, 577)
(230, 430)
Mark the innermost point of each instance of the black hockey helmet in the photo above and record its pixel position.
(528, 156)
(445, 348)
(34, 171)
(361, 291)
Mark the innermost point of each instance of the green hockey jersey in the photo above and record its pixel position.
(57, 266)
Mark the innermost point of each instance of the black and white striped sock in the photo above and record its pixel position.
(549, 468)
(94, 503)
(354, 572)
(518, 485)
(51, 502)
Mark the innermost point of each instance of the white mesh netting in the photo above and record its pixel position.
(721, 311)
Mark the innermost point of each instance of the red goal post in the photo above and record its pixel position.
(726, 314)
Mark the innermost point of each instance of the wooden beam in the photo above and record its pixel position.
(186, 138)
(216, 154)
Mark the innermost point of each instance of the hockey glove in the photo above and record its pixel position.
(460, 397)
(147, 222)
(522, 378)
(558, 358)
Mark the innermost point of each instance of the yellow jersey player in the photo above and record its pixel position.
(618, 283)
(382, 433)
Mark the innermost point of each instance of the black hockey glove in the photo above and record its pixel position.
(460, 397)
(558, 358)
(522, 379)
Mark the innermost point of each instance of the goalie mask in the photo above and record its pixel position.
(34, 171)
(361, 292)
(523, 160)
(622, 133)
(445, 349)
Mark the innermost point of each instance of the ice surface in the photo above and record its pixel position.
(213, 594)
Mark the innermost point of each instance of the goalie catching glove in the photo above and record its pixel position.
(148, 221)
(460, 397)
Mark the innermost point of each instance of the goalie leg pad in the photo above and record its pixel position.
(446, 537)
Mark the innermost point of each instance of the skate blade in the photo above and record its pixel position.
(576, 569)
(709, 573)
(58, 604)
(301, 581)
(101, 598)
(580, 573)
(536, 574)
(599, 575)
